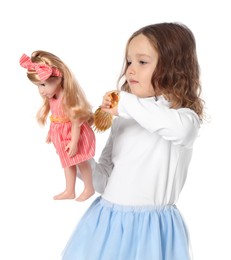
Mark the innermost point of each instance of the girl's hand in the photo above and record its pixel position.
(71, 149)
(108, 104)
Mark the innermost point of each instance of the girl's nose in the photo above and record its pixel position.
(131, 69)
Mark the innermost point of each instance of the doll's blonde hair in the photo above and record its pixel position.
(74, 102)
(177, 72)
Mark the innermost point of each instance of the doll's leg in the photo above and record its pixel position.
(69, 192)
(86, 173)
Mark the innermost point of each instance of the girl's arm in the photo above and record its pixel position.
(72, 147)
(101, 170)
(177, 125)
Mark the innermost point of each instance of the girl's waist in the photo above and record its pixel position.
(139, 207)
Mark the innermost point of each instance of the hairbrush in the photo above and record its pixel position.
(102, 119)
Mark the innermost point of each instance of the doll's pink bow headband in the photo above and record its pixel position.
(44, 71)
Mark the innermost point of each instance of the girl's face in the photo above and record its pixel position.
(50, 88)
(142, 59)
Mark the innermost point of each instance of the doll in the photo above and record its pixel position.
(70, 121)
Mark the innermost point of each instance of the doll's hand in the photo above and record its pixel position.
(71, 149)
(110, 103)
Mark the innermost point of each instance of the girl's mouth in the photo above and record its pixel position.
(132, 81)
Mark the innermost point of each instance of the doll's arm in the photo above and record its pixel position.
(75, 133)
(48, 138)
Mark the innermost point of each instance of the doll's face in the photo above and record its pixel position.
(50, 88)
(142, 59)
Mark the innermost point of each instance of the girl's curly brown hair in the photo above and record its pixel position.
(177, 74)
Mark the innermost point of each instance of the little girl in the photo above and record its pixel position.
(144, 164)
(71, 118)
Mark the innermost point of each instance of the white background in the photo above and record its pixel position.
(90, 37)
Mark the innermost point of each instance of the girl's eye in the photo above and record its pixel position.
(143, 62)
(129, 63)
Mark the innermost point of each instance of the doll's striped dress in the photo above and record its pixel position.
(60, 135)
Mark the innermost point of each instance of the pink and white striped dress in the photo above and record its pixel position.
(60, 135)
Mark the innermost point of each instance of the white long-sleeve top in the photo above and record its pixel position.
(146, 158)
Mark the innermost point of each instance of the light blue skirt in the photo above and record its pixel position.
(113, 232)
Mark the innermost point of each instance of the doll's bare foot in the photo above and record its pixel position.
(64, 196)
(86, 194)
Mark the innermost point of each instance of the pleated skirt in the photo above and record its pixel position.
(109, 231)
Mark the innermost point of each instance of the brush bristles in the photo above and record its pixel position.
(103, 120)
